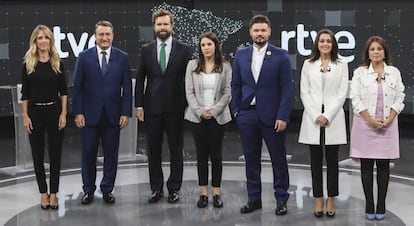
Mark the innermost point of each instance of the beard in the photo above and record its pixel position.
(260, 41)
(163, 35)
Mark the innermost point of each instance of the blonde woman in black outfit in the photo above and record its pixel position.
(44, 101)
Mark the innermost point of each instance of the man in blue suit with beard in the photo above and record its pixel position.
(262, 88)
(102, 104)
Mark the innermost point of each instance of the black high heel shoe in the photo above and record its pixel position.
(330, 213)
(47, 206)
(318, 203)
(56, 206)
(318, 213)
(44, 207)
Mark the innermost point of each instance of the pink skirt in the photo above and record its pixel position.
(368, 142)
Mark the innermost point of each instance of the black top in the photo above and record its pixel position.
(43, 85)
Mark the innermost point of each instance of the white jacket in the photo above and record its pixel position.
(364, 90)
(334, 96)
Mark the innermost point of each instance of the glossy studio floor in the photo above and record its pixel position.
(20, 199)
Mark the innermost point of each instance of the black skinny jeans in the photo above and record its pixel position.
(45, 120)
(208, 138)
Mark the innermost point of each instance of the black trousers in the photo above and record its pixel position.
(45, 120)
(172, 124)
(331, 156)
(383, 177)
(208, 138)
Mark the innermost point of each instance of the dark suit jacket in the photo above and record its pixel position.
(274, 88)
(164, 93)
(92, 90)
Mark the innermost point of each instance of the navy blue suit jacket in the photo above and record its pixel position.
(273, 90)
(92, 91)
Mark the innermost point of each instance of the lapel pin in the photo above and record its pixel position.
(268, 53)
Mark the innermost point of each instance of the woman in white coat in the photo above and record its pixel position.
(377, 94)
(323, 89)
(207, 86)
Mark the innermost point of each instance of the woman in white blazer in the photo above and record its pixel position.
(377, 94)
(323, 89)
(207, 85)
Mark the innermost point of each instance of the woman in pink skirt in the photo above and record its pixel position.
(377, 94)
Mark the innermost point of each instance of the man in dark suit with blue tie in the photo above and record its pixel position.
(102, 104)
(162, 69)
(262, 89)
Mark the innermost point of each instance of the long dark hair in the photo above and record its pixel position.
(365, 57)
(315, 51)
(218, 55)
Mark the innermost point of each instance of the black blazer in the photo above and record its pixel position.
(164, 93)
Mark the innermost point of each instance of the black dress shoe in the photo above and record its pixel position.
(281, 208)
(109, 198)
(173, 197)
(202, 201)
(217, 202)
(251, 206)
(87, 198)
(155, 196)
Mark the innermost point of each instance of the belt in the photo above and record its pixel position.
(45, 104)
(251, 107)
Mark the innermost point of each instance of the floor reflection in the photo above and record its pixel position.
(132, 208)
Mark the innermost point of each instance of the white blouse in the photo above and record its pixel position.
(209, 88)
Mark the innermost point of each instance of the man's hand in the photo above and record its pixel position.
(80, 120)
(280, 125)
(140, 114)
(123, 121)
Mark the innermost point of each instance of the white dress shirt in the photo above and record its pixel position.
(257, 62)
(108, 55)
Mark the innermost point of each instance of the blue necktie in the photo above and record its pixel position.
(104, 62)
